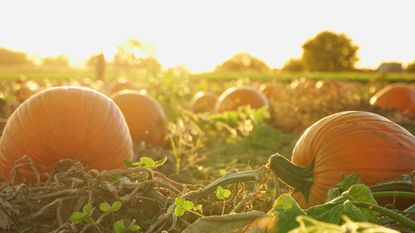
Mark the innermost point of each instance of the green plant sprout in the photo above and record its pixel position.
(107, 208)
(222, 194)
(146, 162)
(84, 216)
(183, 205)
(120, 227)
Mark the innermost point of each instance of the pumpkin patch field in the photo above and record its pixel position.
(195, 154)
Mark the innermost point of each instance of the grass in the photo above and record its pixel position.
(70, 73)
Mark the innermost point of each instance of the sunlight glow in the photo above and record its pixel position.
(200, 34)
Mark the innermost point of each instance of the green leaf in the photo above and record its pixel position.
(85, 215)
(160, 162)
(287, 210)
(198, 207)
(308, 225)
(119, 227)
(147, 162)
(77, 217)
(88, 208)
(182, 205)
(222, 193)
(360, 192)
(334, 210)
(105, 207)
(116, 206)
(345, 184)
(133, 226)
(179, 211)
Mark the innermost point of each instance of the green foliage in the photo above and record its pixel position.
(84, 216)
(183, 205)
(120, 227)
(12, 58)
(329, 51)
(333, 211)
(135, 54)
(345, 204)
(146, 162)
(342, 186)
(222, 193)
(107, 208)
(243, 62)
(294, 65)
(310, 225)
(411, 67)
(58, 61)
(286, 209)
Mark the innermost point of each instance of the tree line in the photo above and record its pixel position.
(327, 51)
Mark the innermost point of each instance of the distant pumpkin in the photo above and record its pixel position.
(204, 102)
(144, 115)
(65, 123)
(397, 97)
(234, 98)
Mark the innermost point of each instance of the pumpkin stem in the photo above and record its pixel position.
(300, 178)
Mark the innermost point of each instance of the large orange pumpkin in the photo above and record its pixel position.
(204, 102)
(234, 98)
(398, 97)
(65, 123)
(144, 115)
(364, 143)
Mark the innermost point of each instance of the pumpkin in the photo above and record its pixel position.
(398, 97)
(144, 115)
(204, 102)
(364, 143)
(65, 123)
(234, 98)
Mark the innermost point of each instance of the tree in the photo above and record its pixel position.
(242, 62)
(329, 51)
(57, 61)
(178, 71)
(295, 65)
(411, 67)
(136, 54)
(11, 58)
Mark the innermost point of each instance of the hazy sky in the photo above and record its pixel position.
(201, 34)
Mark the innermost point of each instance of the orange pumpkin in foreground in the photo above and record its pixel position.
(204, 102)
(234, 98)
(398, 97)
(65, 123)
(144, 115)
(364, 143)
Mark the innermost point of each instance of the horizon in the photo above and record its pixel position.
(202, 35)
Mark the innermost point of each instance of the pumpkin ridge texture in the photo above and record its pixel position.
(65, 123)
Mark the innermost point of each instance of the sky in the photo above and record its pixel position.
(202, 34)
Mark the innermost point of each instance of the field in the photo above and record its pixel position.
(210, 164)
